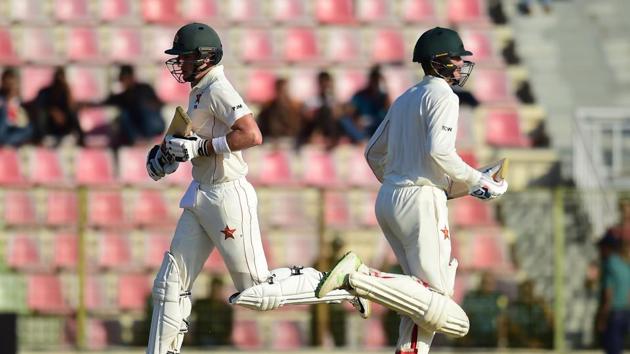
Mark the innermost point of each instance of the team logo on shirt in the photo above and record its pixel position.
(228, 233)
(238, 106)
(447, 129)
(445, 232)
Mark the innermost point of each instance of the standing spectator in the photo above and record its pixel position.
(214, 317)
(321, 114)
(529, 321)
(370, 104)
(57, 111)
(280, 117)
(484, 307)
(140, 110)
(15, 125)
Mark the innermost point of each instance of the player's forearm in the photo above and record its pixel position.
(456, 168)
(244, 139)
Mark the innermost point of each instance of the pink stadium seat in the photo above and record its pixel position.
(87, 83)
(286, 335)
(95, 123)
(34, 78)
(347, 83)
(44, 294)
(256, 45)
(459, 11)
(359, 172)
(94, 167)
(155, 245)
(300, 44)
(468, 157)
(334, 11)
(343, 45)
(503, 129)
(246, 335)
(62, 208)
(288, 10)
(374, 10)
(491, 85)
(11, 167)
(247, 11)
(72, 10)
(397, 80)
(161, 11)
(65, 250)
(19, 208)
(214, 263)
(318, 168)
(8, 54)
(169, 90)
(181, 177)
(94, 293)
(302, 83)
(301, 248)
(205, 11)
(114, 251)
(472, 212)
(488, 251)
(113, 10)
(479, 42)
(388, 46)
(288, 210)
(95, 332)
(132, 165)
(375, 338)
(22, 251)
(28, 12)
(276, 168)
(421, 11)
(368, 215)
(160, 38)
(38, 45)
(260, 86)
(105, 208)
(82, 44)
(133, 290)
(149, 208)
(125, 44)
(45, 167)
(337, 210)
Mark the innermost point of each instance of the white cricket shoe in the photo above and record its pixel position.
(362, 305)
(337, 278)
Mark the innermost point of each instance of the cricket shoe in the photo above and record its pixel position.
(362, 305)
(337, 278)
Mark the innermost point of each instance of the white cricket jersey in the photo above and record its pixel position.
(415, 143)
(214, 106)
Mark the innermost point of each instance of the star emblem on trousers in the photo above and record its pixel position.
(229, 233)
(445, 232)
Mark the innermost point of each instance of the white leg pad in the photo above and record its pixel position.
(287, 286)
(171, 308)
(429, 309)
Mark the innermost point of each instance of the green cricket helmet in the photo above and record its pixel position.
(198, 39)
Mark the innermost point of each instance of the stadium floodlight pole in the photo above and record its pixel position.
(559, 271)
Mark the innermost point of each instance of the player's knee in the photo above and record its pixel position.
(445, 316)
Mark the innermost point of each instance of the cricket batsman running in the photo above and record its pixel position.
(220, 205)
(413, 154)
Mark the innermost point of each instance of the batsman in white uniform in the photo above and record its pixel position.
(220, 205)
(413, 155)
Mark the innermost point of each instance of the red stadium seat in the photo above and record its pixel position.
(72, 10)
(95, 123)
(288, 10)
(19, 208)
(388, 46)
(205, 11)
(503, 129)
(114, 10)
(155, 245)
(33, 79)
(247, 11)
(318, 168)
(87, 83)
(397, 80)
(105, 208)
(334, 11)
(125, 44)
(12, 173)
(94, 293)
(133, 290)
(8, 54)
(374, 10)
(300, 45)
(469, 212)
(256, 45)
(347, 83)
(62, 208)
(132, 165)
(344, 45)
(44, 294)
(82, 44)
(337, 210)
(22, 251)
(468, 157)
(246, 335)
(459, 11)
(376, 338)
(169, 90)
(419, 11)
(260, 86)
(114, 251)
(65, 250)
(479, 42)
(95, 332)
(489, 251)
(94, 167)
(149, 208)
(286, 335)
(38, 45)
(45, 167)
(276, 168)
(161, 11)
(491, 85)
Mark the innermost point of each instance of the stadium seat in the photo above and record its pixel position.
(468, 212)
(161, 11)
(95, 123)
(114, 251)
(245, 11)
(260, 86)
(132, 166)
(96, 333)
(149, 208)
(301, 248)
(468, 157)
(347, 83)
(72, 10)
(289, 10)
(160, 39)
(8, 53)
(462, 11)
(115, 10)
(62, 208)
(45, 167)
(503, 129)
(491, 85)
(65, 250)
(374, 10)
(288, 209)
(44, 294)
(479, 42)
(398, 80)
(276, 168)
(82, 44)
(300, 45)
(125, 44)
(388, 46)
(374, 337)
(256, 45)
(337, 210)
(246, 335)
(359, 173)
(94, 293)
(28, 12)
(19, 208)
(155, 244)
(318, 168)
(344, 45)
(488, 252)
(214, 263)
(286, 335)
(367, 218)
(133, 290)
(302, 84)
(334, 11)
(105, 208)
(419, 11)
(168, 89)
(87, 83)
(38, 45)
(94, 167)
(32, 79)
(23, 252)
(12, 173)
(205, 11)
(181, 177)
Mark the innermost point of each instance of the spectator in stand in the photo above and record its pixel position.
(140, 110)
(57, 115)
(15, 126)
(280, 117)
(524, 7)
(214, 317)
(369, 105)
(529, 320)
(539, 136)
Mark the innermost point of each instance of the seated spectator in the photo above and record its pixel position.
(529, 321)
(140, 110)
(370, 104)
(57, 112)
(280, 117)
(213, 316)
(539, 136)
(15, 126)
(484, 307)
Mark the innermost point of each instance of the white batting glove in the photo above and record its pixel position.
(487, 188)
(186, 148)
(158, 165)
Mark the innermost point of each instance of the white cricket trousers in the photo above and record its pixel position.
(414, 220)
(223, 216)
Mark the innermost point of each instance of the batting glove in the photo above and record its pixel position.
(186, 148)
(158, 164)
(487, 188)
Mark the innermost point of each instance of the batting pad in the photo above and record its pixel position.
(429, 309)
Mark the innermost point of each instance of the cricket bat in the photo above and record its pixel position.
(497, 169)
(181, 125)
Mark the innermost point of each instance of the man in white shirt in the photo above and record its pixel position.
(413, 154)
(220, 205)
